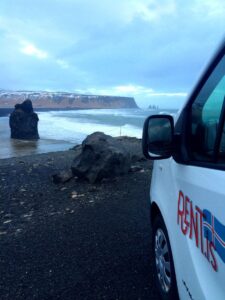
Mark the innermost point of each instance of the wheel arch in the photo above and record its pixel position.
(155, 210)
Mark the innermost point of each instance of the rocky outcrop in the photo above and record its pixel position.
(23, 122)
(102, 156)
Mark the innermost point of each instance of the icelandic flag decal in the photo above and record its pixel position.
(214, 231)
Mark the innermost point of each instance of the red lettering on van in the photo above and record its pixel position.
(190, 221)
(181, 212)
(213, 258)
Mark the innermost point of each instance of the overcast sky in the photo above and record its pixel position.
(153, 50)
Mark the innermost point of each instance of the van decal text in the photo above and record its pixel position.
(201, 226)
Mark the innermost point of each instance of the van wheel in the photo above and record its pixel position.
(163, 261)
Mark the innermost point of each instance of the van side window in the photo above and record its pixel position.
(221, 156)
(206, 115)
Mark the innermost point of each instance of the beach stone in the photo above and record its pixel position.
(63, 189)
(62, 176)
(23, 122)
(135, 169)
(102, 156)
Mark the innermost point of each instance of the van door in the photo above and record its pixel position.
(200, 193)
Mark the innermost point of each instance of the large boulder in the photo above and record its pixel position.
(134, 146)
(102, 156)
(23, 122)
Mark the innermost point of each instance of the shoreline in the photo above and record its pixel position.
(61, 132)
(5, 111)
(12, 148)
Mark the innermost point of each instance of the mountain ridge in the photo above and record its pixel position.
(64, 100)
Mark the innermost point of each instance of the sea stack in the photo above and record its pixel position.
(23, 122)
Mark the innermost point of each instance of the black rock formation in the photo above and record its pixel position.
(62, 176)
(102, 156)
(23, 122)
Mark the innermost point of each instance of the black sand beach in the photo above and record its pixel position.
(74, 240)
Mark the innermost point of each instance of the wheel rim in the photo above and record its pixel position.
(162, 259)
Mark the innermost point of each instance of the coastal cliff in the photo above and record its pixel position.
(58, 100)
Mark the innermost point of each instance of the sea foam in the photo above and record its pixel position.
(74, 127)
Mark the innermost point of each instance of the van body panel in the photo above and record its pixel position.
(165, 198)
(194, 270)
(202, 189)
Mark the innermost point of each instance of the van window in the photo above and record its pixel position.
(221, 155)
(213, 106)
(206, 115)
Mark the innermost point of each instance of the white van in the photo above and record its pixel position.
(188, 191)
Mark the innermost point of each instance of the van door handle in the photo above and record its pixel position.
(160, 167)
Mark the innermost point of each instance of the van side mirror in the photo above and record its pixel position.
(157, 139)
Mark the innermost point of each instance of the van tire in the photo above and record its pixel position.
(163, 261)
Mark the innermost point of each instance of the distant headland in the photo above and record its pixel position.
(64, 100)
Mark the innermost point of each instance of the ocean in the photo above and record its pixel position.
(61, 130)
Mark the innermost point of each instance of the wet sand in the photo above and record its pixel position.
(15, 148)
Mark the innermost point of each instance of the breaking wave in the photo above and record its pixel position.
(73, 127)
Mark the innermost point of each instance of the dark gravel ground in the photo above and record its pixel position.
(73, 240)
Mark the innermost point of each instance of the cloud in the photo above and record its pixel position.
(152, 10)
(132, 91)
(167, 94)
(32, 50)
(62, 63)
(144, 96)
(209, 8)
(148, 49)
